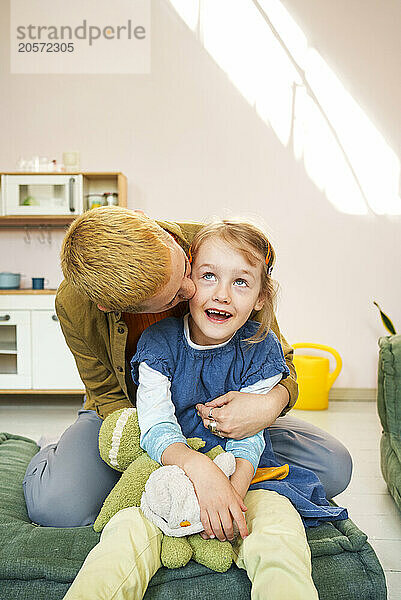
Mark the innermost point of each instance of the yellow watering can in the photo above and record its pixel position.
(314, 377)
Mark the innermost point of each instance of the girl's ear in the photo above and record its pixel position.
(259, 304)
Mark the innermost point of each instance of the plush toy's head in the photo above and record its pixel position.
(119, 439)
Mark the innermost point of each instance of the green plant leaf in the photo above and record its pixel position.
(386, 320)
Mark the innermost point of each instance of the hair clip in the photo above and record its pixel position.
(268, 255)
(189, 255)
(267, 259)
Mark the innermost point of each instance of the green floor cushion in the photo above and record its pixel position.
(389, 407)
(41, 562)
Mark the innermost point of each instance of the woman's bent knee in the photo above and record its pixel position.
(51, 504)
(54, 512)
(66, 484)
(62, 492)
(338, 470)
(305, 445)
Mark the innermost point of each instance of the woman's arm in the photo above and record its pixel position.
(245, 413)
(79, 319)
(290, 383)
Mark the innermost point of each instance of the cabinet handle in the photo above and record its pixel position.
(5, 317)
(71, 194)
(55, 318)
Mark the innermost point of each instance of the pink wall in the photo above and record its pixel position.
(192, 147)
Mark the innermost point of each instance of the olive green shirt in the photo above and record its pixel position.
(98, 340)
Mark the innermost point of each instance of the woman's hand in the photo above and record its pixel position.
(240, 414)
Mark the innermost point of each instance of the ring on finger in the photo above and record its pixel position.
(213, 428)
(210, 416)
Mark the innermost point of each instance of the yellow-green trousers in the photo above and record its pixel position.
(276, 555)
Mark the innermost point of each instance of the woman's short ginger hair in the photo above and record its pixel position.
(254, 245)
(117, 257)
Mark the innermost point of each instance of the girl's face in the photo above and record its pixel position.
(228, 289)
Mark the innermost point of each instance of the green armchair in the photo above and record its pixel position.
(389, 407)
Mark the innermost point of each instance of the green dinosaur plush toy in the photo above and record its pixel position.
(119, 448)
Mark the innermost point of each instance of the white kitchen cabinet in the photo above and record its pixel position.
(53, 365)
(33, 353)
(15, 349)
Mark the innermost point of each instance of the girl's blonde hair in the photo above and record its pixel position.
(116, 257)
(254, 246)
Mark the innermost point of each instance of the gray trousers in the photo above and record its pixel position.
(66, 483)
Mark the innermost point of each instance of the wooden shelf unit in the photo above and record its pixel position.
(25, 291)
(94, 182)
(27, 392)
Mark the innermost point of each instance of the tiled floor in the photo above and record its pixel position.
(369, 504)
(356, 424)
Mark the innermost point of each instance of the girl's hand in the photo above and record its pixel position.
(219, 502)
(240, 414)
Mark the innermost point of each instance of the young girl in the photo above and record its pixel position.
(214, 350)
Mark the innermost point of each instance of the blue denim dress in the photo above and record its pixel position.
(200, 375)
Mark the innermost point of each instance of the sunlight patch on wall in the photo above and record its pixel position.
(266, 56)
(324, 162)
(376, 165)
(230, 43)
(188, 11)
